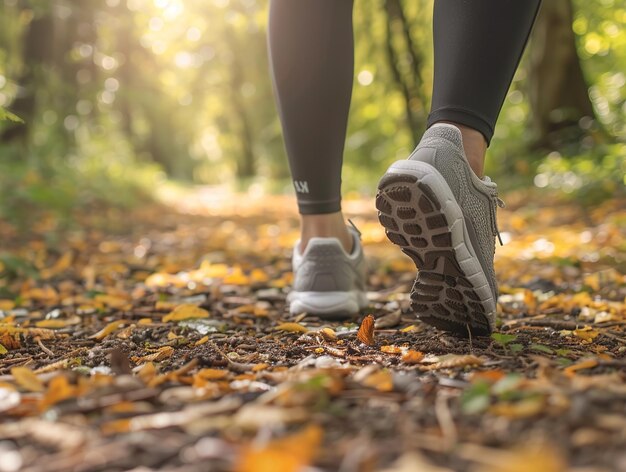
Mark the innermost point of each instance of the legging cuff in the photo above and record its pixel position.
(319, 208)
(463, 117)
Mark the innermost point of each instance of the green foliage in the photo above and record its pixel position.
(131, 89)
(6, 115)
(503, 339)
(589, 178)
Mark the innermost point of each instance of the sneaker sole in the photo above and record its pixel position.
(327, 304)
(421, 216)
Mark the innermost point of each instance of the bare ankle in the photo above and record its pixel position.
(330, 225)
(475, 147)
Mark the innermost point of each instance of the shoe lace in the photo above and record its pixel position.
(497, 202)
(355, 228)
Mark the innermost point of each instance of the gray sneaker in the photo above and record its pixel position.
(328, 282)
(444, 217)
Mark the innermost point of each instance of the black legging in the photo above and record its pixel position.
(478, 45)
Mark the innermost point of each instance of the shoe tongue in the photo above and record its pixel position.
(446, 131)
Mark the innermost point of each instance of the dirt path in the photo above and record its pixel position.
(160, 339)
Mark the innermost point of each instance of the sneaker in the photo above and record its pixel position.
(443, 216)
(328, 282)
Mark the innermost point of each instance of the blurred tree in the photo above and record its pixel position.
(559, 97)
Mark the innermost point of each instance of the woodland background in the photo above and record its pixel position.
(121, 97)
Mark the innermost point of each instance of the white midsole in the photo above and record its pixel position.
(327, 303)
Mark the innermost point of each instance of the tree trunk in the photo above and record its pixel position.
(559, 97)
(409, 81)
(38, 51)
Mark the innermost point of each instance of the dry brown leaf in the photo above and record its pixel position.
(524, 408)
(162, 353)
(108, 329)
(465, 360)
(147, 372)
(185, 312)
(571, 370)
(26, 378)
(365, 334)
(58, 390)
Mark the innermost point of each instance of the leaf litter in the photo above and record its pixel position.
(167, 345)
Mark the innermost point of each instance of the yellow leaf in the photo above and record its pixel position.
(587, 334)
(258, 275)
(26, 378)
(201, 341)
(328, 334)
(408, 329)
(212, 374)
(290, 454)
(391, 349)
(3, 350)
(260, 367)
(108, 329)
(380, 380)
(6, 305)
(59, 323)
(186, 311)
(292, 328)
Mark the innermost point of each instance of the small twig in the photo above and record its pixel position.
(43, 348)
(469, 335)
(444, 418)
(609, 334)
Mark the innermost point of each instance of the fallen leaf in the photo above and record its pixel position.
(26, 378)
(455, 361)
(292, 328)
(186, 311)
(587, 334)
(381, 380)
(365, 334)
(584, 364)
(212, 374)
(328, 334)
(162, 353)
(290, 454)
(108, 329)
(391, 349)
(412, 357)
(6, 305)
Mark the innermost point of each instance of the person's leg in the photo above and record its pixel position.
(312, 60)
(478, 45)
(435, 206)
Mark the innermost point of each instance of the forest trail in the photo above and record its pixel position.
(159, 338)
